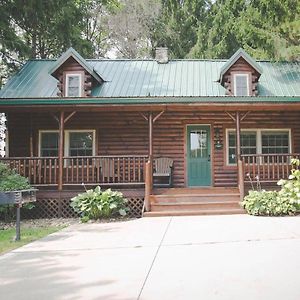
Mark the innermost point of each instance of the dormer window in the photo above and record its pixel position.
(73, 85)
(241, 84)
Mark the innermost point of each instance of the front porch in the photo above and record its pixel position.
(125, 144)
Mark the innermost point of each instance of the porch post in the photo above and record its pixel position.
(61, 151)
(151, 148)
(238, 156)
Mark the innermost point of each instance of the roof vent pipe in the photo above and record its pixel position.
(161, 55)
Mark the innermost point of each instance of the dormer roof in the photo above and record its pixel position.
(80, 60)
(235, 57)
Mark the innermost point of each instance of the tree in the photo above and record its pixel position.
(178, 26)
(131, 27)
(265, 29)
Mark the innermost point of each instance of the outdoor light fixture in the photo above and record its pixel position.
(218, 142)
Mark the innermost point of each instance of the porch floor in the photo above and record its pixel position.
(194, 201)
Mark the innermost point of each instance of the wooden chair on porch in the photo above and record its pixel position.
(163, 171)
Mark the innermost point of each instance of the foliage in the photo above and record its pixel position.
(178, 24)
(267, 203)
(95, 204)
(290, 189)
(12, 181)
(273, 203)
(265, 30)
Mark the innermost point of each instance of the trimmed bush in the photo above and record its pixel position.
(96, 204)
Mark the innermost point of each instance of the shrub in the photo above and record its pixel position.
(12, 181)
(95, 204)
(272, 203)
(267, 203)
(290, 189)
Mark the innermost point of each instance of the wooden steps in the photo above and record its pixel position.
(188, 202)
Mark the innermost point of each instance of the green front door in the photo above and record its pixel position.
(198, 155)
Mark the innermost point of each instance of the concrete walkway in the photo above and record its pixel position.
(207, 257)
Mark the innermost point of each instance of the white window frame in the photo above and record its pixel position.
(258, 139)
(67, 140)
(40, 139)
(235, 85)
(68, 75)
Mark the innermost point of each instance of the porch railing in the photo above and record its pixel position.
(267, 167)
(104, 170)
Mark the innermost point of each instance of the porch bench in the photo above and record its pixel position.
(163, 171)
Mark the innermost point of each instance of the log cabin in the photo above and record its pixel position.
(222, 124)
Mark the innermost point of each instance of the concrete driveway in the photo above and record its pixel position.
(206, 257)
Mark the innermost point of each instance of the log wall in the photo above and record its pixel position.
(126, 133)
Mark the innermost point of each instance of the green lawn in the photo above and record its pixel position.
(28, 235)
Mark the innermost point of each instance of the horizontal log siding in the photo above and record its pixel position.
(126, 133)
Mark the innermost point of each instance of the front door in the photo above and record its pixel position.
(198, 155)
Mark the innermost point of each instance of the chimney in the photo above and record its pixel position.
(161, 55)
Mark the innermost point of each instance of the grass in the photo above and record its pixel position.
(28, 235)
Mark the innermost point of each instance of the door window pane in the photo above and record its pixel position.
(198, 143)
(49, 144)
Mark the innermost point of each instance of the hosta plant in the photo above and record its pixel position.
(267, 203)
(273, 203)
(290, 189)
(96, 204)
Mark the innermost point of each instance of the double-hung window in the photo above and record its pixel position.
(73, 85)
(248, 144)
(241, 84)
(77, 143)
(258, 141)
(80, 143)
(48, 145)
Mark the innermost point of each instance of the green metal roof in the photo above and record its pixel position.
(146, 78)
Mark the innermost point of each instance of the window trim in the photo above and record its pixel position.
(67, 139)
(235, 75)
(258, 139)
(79, 75)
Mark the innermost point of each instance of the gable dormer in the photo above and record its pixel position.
(240, 75)
(75, 76)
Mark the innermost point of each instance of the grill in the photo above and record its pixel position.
(18, 198)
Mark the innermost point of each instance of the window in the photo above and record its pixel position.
(258, 141)
(73, 85)
(274, 142)
(77, 143)
(241, 84)
(80, 143)
(248, 145)
(48, 143)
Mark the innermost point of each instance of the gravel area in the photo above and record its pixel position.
(57, 222)
(40, 223)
